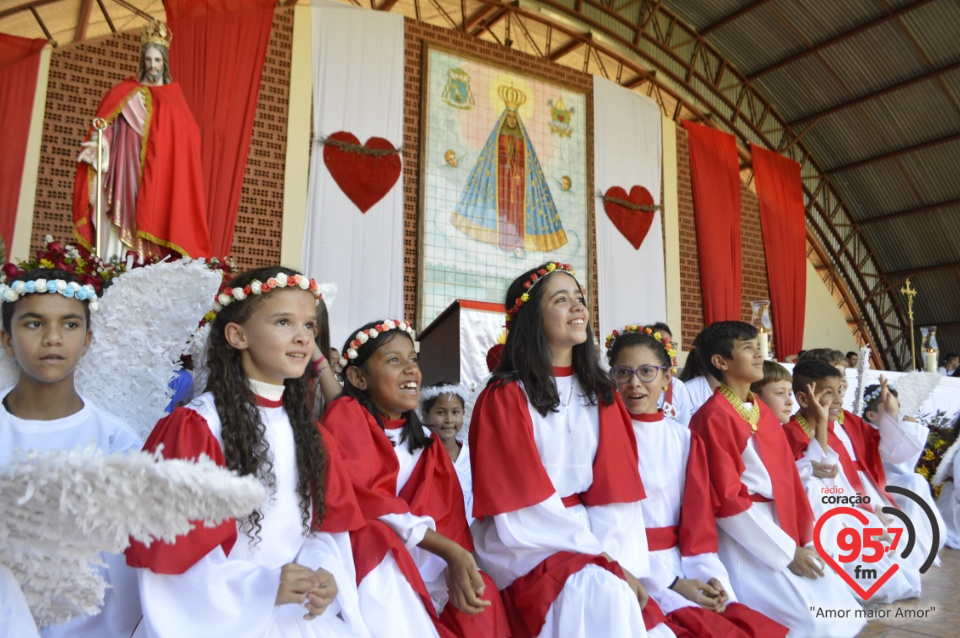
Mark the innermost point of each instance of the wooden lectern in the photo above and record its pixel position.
(453, 348)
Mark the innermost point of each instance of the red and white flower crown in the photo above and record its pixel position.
(364, 336)
(668, 346)
(553, 266)
(256, 287)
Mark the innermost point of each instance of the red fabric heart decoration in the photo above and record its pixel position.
(632, 224)
(362, 177)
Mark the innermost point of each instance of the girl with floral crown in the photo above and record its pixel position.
(403, 477)
(287, 568)
(444, 410)
(556, 487)
(687, 579)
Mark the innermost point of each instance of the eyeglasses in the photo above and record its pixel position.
(646, 373)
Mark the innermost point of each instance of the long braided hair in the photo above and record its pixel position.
(243, 433)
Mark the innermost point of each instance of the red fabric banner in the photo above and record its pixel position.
(217, 56)
(784, 229)
(715, 172)
(19, 66)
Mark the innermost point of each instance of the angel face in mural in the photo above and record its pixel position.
(506, 200)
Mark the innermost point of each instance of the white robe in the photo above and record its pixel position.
(593, 602)
(121, 609)
(682, 404)
(664, 452)
(462, 466)
(16, 619)
(698, 392)
(903, 584)
(410, 526)
(901, 444)
(757, 552)
(948, 504)
(235, 595)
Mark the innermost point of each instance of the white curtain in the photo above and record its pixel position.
(357, 88)
(627, 139)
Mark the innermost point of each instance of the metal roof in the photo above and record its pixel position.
(865, 94)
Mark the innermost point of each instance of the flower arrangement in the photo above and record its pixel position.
(938, 441)
(89, 268)
(534, 278)
(671, 352)
(363, 336)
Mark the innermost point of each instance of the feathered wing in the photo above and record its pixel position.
(147, 317)
(59, 509)
(914, 389)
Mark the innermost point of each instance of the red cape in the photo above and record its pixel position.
(866, 445)
(185, 434)
(171, 208)
(507, 472)
(433, 488)
(725, 433)
(698, 527)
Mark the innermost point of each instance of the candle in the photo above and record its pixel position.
(930, 359)
(765, 345)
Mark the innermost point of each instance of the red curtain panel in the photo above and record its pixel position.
(783, 225)
(217, 56)
(19, 66)
(715, 172)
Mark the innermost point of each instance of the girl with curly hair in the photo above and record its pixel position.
(287, 568)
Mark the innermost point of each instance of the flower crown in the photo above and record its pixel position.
(448, 388)
(69, 289)
(364, 336)
(256, 287)
(667, 345)
(871, 396)
(534, 278)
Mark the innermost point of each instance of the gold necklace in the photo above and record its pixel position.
(807, 428)
(840, 417)
(752, 416)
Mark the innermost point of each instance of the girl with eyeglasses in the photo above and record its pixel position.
(687, 579)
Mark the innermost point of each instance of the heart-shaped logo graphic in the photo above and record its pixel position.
(363, 176)
(632, 224)
(860, 516)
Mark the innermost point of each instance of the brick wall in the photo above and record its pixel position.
(754, 266)
(80, 75)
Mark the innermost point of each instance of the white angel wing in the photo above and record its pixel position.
(147, 317)
(914, 388)
(59, 509)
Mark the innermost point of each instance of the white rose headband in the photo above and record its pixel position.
(871, 396)
(69, 289)
(256, 287)
(363, 336)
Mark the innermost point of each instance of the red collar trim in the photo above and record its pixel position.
(648, 418)
(563, 371)
(390, 424)
(267, 403)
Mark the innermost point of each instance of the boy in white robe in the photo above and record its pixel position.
(46, 329)
(763, 518)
